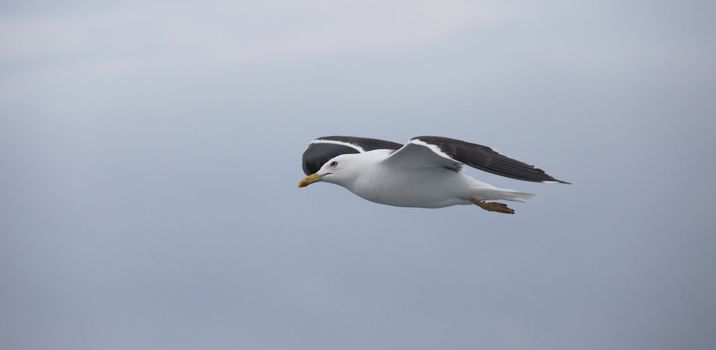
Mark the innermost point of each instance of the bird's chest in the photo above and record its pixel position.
(424, 188)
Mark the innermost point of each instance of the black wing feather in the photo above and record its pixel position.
(367, 144)
(487, 159)
(318, 153)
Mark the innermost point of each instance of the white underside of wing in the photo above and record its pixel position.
(419, 154)
(432, 147)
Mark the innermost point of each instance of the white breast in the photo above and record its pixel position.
(425, 188)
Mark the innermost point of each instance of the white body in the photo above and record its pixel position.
(406, 183)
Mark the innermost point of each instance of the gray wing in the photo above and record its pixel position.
(486, 159)
(325, 148)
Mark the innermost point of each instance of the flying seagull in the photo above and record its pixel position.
(423, 173)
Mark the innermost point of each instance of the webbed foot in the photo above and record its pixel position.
(493, 206)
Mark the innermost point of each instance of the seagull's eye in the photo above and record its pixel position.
(333, 164)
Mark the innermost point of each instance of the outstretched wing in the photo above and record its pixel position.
(325, 148)
(483, 158)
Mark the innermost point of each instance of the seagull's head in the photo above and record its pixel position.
(341, 170)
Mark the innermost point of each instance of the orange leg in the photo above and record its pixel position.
(493, 206)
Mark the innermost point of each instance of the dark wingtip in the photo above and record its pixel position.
(551, 180)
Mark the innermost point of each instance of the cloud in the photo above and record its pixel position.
(188, 34)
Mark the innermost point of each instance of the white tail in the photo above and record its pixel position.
(492, 194)
(515, 196)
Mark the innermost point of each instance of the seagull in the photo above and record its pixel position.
(423, 173)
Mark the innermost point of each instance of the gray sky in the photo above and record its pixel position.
(150, 151)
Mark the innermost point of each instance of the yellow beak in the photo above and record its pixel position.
(310, 179)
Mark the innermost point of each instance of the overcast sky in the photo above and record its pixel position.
(150, 153)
